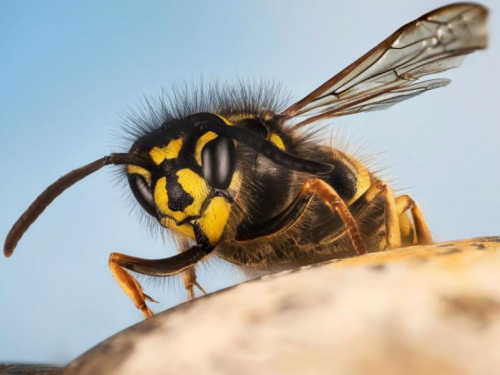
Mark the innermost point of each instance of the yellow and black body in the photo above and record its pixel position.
(209, 189)
(231, 173)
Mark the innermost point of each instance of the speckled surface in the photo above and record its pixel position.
(420, 310)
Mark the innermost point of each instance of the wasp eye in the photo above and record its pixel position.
(218, 160)
(142, 193)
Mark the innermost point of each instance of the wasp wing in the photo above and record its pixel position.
(437, 41)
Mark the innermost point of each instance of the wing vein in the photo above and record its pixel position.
(437, 41)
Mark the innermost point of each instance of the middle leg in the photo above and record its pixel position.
(423, 233)
(189, 279)
(189, 275)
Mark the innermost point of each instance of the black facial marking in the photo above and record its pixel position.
(167, 166)
(178, 199)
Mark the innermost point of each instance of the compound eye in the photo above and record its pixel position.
(218, 160)
(142, 193)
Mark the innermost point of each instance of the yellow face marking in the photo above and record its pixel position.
(160, 195)
(196, 187)
(134, 169)
(277, 141)
(214, 219)
(185, 229)
(192, 184)
(202, 141)
(170, 151)
(161, 201)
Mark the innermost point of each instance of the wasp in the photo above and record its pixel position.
(234, 175)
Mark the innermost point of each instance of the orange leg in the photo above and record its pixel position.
(393, 230)
(130, 285)
(392, 226)
(189, 276)
(330, 197)
(119, 263)
(189, 279)
(424, 235)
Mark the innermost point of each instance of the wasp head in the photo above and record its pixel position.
(192, 176)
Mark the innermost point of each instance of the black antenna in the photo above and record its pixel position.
(57, 188)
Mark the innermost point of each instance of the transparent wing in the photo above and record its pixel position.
(437, 41)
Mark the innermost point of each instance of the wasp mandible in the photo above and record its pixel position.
(231, 174)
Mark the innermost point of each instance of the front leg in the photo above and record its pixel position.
(118, 263)
(130, 285)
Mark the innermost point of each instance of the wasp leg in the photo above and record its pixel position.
(189, 279)
(423, 233)
(362, 209)
(294, 211)
(333, 201)
(189, 276)
(130, 286)
(393, 233)
(118, 263)
(392, 227)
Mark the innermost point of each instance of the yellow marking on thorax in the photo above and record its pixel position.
(277, 141)
(202, 141)
(231, 119)
(134, 169)
(363, 179)
(240, 117)
(214, 219)
(226, 121)
(170, 151)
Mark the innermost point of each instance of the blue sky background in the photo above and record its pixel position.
(69, 69)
